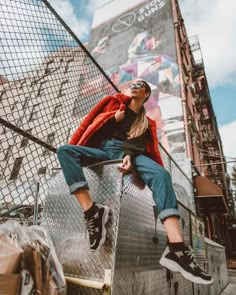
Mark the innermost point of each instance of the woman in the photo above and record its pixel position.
(118, 128)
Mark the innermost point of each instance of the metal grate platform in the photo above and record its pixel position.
(135, 238)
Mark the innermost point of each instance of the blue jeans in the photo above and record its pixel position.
(72, 157)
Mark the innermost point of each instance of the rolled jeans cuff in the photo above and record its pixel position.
(168, 213)
(77, 185)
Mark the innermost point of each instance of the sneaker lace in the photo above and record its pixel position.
(190, 254)
(91, 225)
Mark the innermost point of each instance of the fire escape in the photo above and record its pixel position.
(211, 151)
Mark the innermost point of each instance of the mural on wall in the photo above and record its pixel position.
(140, 43)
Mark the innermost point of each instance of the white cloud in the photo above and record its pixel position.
(80, 26)
(227, 133)
(23, 35)
(214, 22)
(20, 52)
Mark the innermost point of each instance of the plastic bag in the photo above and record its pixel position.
(38, 257)
(41, 260)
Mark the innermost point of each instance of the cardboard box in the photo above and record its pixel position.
(10, 256)
(10, 284)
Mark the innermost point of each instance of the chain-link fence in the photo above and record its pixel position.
(48, 83)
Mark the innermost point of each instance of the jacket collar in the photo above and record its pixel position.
(123, 98)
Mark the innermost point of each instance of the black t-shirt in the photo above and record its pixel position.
(119, 130)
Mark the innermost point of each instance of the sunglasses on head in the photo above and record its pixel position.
(137, 85)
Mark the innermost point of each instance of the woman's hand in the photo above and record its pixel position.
(126, 165)
(119, 115)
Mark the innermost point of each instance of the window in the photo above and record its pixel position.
(41, 88)
(1, 94)
(23, 84)
(57, 111)
(16, 168)
(42, 170)
(50, 140)
(33, 115)
(25, 104)
(76, 108)
(8, 152)
(14, 105)
(68, 134)
(49, 68)
(2, 129)
(67, 65)
(25, 140)
(61, 88)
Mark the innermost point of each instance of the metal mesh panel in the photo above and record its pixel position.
(142, 238)
(68, 231)
(135, 242)
(48, 82)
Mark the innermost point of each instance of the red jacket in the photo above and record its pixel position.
(101, 113)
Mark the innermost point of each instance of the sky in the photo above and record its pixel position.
(214, 22)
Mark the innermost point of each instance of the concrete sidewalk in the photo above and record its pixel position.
(231, 287)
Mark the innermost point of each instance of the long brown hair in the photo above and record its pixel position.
(139, 126)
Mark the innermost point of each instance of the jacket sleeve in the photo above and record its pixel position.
(89, 119)
(152, 144)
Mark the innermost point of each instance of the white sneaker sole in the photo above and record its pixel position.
(173, 266)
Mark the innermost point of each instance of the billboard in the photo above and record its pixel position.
(139, 41)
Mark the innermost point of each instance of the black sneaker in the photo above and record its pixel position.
(96, 227)
(185, 263)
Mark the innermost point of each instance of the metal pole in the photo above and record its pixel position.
(36, 198)
(79, 42)
(27, 135)
(215, 163)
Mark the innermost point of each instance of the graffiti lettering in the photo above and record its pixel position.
(124, 22)
(2, 94)
(150, 8)
(2, 129)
